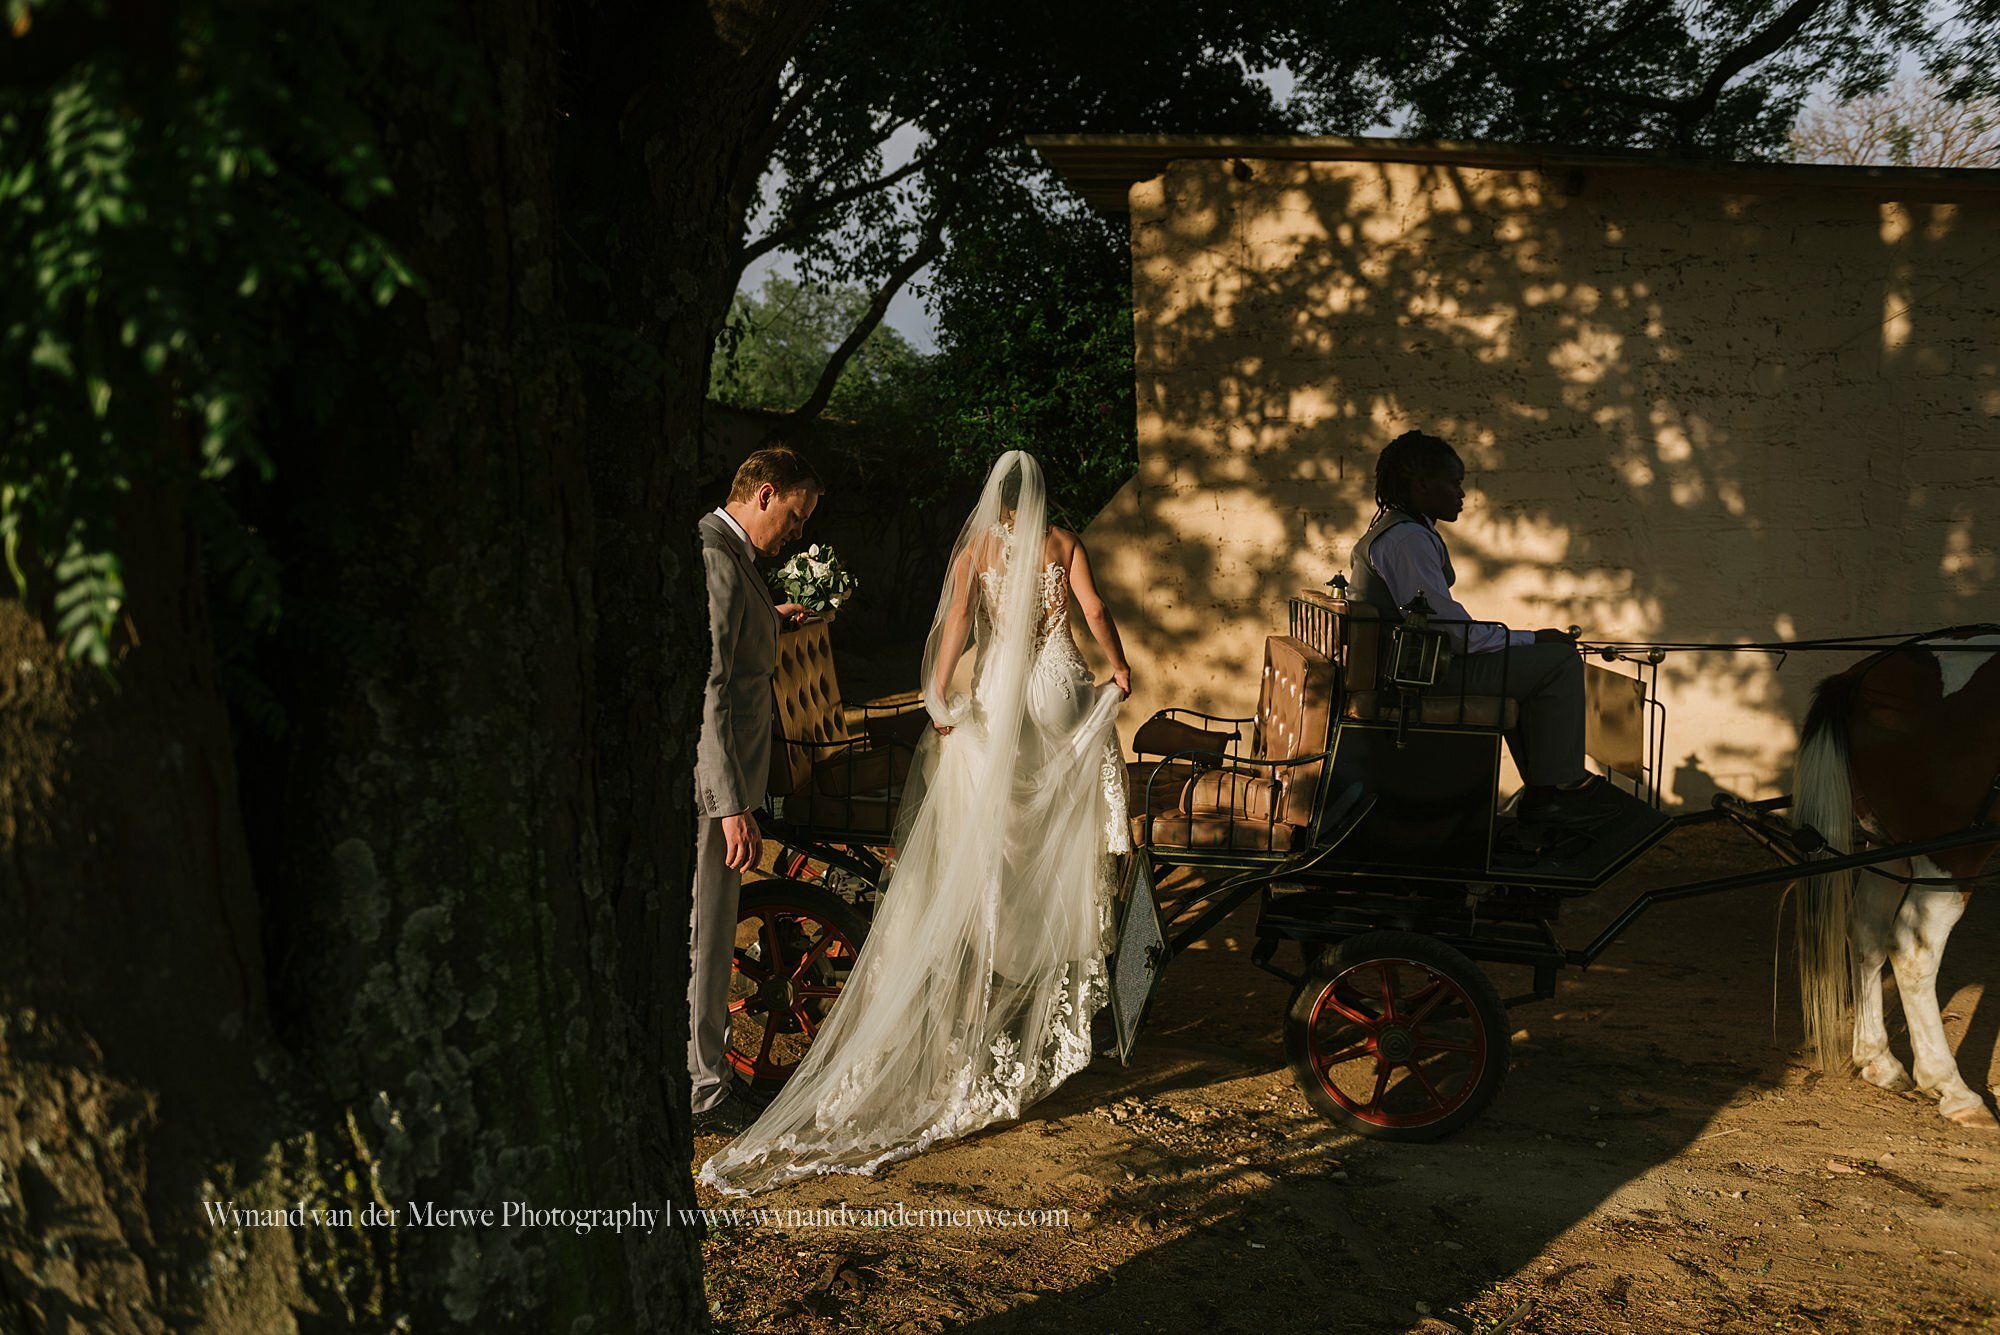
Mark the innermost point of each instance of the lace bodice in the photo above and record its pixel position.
(1054, 624)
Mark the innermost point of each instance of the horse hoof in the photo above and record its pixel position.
(1977, 1117)
(1888, 1073)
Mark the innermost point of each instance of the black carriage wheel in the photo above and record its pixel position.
(795, 943)
(1397, 1036)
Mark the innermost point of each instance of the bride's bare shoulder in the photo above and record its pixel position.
(1062, 545)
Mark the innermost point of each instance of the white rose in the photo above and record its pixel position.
(813, 550)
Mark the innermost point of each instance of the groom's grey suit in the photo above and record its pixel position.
(732, 765)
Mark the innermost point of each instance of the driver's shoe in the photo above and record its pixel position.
(1568, 808)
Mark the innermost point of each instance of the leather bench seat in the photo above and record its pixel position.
(1177, 830)
(827, 776)
(1233, 805)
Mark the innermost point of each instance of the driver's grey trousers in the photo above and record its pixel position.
(1547, 680)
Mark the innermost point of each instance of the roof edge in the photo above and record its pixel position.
(1102, 168)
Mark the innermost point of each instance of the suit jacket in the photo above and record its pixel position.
(733, 759)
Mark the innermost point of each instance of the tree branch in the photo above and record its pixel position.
(1626, 31)
(1781, 30)
(799, 221)
(926, 250)
(766, 143)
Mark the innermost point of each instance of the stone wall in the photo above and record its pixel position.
(1694, 405)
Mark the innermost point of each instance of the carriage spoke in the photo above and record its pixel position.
(1425, 1081)
(1445, 1045)
(1429, 998)
(1388, 971)
(764, 1049)
(750, 1005)
(1345, 1055)
(767, 931)
(820, 990)
(1362, 1018)
(752, 970)
(806, 1022)
(806, 960)
(1382, 1070)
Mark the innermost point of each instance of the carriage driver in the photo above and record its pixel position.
(1419, 484)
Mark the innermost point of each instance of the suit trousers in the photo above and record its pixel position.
(713, 934)
(1547, 681)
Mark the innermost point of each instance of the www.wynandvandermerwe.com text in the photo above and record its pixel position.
(520, 1214)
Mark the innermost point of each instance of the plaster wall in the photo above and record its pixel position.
(1693, 405)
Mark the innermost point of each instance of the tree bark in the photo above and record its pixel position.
(663, 127)
(432, 950)
(132, 999)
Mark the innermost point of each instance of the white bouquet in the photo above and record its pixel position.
(815, 579)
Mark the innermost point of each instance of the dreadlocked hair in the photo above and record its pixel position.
(1401, 462)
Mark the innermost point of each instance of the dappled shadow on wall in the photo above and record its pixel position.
(1690, 412)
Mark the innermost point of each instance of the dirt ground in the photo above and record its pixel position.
(1655, 1161)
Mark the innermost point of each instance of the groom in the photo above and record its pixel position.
(772, 496)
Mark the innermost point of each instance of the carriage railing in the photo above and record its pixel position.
(852, 785)
(1205, 778)
(1413, 654)
(1227, 834)
(1648, 781)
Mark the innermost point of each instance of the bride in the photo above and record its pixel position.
(974, 992)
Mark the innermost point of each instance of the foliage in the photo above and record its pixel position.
(894, 135)
(1912, 123)
(778, 339)
(1034, 311)
(815, 579)
(167, 190)
(1722, 79)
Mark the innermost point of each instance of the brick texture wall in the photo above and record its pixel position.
(1694, 405)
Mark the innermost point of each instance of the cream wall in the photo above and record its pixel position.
(1694, 406)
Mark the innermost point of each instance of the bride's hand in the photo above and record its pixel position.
(940, 729)
(1122, 678)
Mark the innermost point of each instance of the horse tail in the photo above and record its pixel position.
(1823, 798)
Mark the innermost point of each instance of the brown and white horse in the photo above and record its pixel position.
(1907, 744)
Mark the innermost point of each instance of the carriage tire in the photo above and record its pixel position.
(1414, 1071)
(807, 914)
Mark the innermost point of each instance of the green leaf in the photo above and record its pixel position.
(52, 354)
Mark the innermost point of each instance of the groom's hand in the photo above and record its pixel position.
(794, 614)
(744, 840)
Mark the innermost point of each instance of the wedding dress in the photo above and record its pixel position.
(973, 994)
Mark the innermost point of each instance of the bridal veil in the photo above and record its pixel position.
(973, 993)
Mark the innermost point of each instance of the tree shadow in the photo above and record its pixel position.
(1697, 404)
(1302, 1225)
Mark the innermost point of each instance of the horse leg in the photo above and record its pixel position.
(1922, 928)
(1870, 929)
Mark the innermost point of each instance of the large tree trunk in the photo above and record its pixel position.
(662, 152)
(445, 905)
(434, 952)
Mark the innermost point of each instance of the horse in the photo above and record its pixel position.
(1906, 746)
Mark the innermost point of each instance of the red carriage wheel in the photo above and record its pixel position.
(799, 867)
(1397, 1036)
(795, 944)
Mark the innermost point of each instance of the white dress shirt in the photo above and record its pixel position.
(742, 535)
(1410, 558)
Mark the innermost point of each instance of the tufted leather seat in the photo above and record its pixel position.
(834, 778)
(1253, 808)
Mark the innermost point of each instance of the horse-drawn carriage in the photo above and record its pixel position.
(1356, 804)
